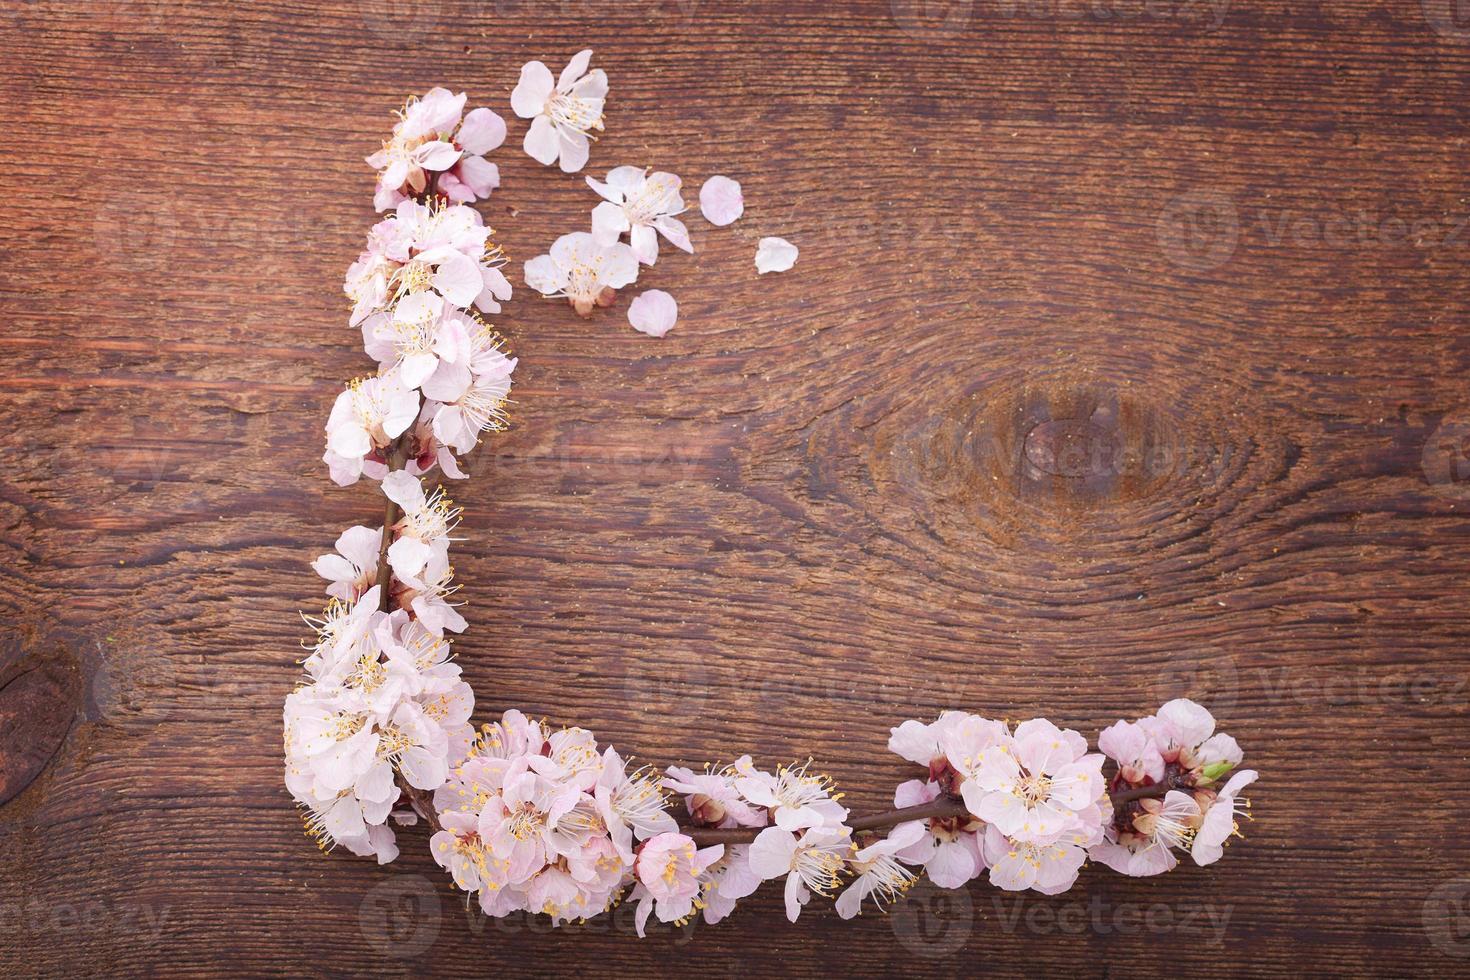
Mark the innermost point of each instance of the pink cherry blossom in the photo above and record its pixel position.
(423, 529)
(470, 394)
(420, 248)
(630, 805)
(642, 206)
(428, 595)
(810, 863)
(727, 881)
(795, 797)
(473, 177)
(721, 201)
(713, 799)
(668, 868)
(1133, 748)
(563, 113)
(545, 822)
(1049, 868)
(878, 872)
(1147, 848)
(1219, 821)
(353, 569)
(365, 419)
(585, 273)
(1037, 785)
(421, 333)
(949, 848)
(430, 138)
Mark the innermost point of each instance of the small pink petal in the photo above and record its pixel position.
(720, 201)
(774, 255)
(653, 312)
(481, 132)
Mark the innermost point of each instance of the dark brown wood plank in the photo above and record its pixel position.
(1124, 359)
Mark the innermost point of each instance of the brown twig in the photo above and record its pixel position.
(397, 459)
(943, 808)
(423, 802)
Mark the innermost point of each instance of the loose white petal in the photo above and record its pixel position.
(653, 312)
(720, 201)
(774, 255)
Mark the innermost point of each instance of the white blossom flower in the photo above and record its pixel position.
(417, 747)
(721, 201)
(365, 419)
(421, 333)
(562, 113)
(1219, 821)
(1158, 828)
(949, 849)
(878, 871)
(471, 396)
(713, 799)
(794, 797)
(424, 528)
(422, 141)
(642, 206)
(630, 805)
(585, 273)
(1036, 785)
(353, 569)
(1050, 868)
(653, 312)
(428, 595)
(669, 869)
(774, 255)
(810, 863)
(344, 633)
(728, 880)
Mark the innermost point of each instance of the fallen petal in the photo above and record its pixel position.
(774, 255)
(653, 312)
(720, 201)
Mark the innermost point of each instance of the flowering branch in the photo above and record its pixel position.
(944, 808)
(527, 817)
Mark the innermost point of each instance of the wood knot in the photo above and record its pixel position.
(40, 694)
(1077, 449)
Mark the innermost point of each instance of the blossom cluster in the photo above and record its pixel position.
(587, 268)
(443, 375)
(1177, 748)
(541, 820)
(1036, 799)
(382, 708)
(383, 701)
(435, 139)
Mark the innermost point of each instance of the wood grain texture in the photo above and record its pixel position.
(1125, 359)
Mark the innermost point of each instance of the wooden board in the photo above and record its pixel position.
(1125, 358)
